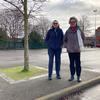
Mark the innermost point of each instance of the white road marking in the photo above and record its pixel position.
(11, 81)
(93, 70)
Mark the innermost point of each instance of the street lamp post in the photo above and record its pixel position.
(95, 10)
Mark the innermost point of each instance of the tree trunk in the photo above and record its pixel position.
(26, 47)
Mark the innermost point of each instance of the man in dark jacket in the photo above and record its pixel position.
(54, 41)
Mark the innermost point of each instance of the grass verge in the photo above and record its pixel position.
(17, 73)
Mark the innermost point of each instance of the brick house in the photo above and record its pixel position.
(98, 37)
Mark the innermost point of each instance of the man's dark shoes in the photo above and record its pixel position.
(71, 79)
(49, 78)
(79, 79)
(58, 77)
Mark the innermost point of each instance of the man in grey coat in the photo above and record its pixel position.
(72, 43)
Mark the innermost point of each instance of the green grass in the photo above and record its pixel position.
(16, 73)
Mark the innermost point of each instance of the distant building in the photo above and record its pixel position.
(98, 37)
(89, 41)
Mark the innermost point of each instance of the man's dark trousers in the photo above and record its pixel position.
(57, 54)
(75, 64)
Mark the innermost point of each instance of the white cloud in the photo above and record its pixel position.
(63, 9)
(55, 1)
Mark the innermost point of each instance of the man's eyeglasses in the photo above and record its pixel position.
(55, 23)
(72, 22)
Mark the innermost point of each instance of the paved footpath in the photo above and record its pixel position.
(33, 89)
(30, 90)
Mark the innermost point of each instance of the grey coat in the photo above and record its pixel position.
(71, 41)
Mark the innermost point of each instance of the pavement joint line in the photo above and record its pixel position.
(41, 68)
(93, 70)
(6, 78)
(70, 90)
(11, 81)
(31, 78)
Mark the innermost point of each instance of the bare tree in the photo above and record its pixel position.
(28, 8)
(11, 21)
(42, 26)
(85, 25)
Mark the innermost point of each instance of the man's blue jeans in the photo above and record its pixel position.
(57, 54)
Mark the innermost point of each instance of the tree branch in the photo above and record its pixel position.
(13, 5)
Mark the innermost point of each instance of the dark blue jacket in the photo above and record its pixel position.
(54, 38)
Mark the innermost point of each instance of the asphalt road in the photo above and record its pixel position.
(90, 58)
(89, 94)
